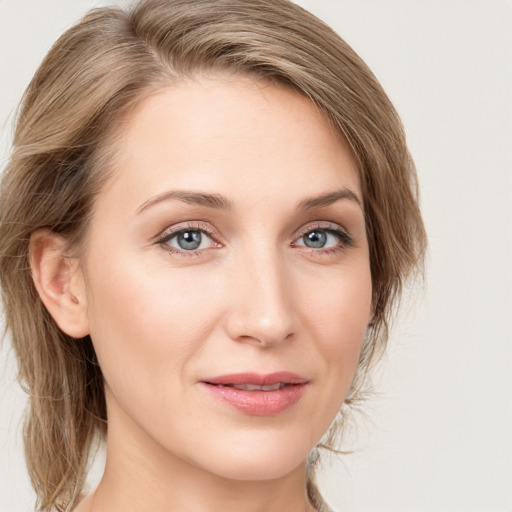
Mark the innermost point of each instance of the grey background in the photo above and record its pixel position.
(438, 436)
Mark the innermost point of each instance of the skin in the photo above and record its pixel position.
(253, 298)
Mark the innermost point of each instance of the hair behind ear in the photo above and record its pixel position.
(59, 371)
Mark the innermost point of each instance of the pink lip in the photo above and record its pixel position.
(258, 402)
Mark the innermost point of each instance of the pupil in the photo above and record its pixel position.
(315, 239)
(189, 240)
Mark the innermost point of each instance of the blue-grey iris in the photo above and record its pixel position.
(315, 239)
(189, 240)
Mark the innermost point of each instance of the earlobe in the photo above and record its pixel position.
(58, 281)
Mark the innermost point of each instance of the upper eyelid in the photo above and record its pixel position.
(190, 226)
(326, 225)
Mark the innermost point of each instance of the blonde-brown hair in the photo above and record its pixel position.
(94, 74)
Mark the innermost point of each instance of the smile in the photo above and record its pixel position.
(258, 395)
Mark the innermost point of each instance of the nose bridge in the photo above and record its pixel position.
(262, 299)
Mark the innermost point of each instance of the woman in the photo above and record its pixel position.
(207, 218)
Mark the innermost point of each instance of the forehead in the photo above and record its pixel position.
(231, 134)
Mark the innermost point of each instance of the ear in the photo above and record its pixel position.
(58, 280)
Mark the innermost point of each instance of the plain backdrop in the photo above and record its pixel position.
(438, 435)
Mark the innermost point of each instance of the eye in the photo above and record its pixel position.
(324, 238)
(188, 239)
(319, 239)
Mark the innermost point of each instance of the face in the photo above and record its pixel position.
(227, 278)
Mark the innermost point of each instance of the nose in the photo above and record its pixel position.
(261, 309)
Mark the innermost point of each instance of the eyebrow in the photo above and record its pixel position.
(329, 198)
(220, 202)
(202, 199)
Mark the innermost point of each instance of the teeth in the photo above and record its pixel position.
(255, 387)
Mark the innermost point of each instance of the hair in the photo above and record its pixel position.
(95, 74)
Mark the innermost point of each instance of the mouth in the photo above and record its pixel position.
(257, 394)
(269, 380)
(253, 387)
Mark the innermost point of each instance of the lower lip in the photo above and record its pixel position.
(258, 403)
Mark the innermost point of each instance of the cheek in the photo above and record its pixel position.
(339, 309)
(337, 315)
(145, 324)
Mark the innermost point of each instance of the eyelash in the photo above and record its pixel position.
(344, 238)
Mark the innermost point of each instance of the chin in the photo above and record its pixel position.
(258, 457)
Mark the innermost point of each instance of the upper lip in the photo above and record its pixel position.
(257, 379)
